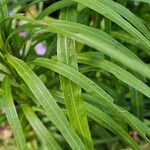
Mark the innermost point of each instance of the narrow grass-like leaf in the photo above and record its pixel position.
(3, 8)
(66, 52)
(108, 12)
(41, 93)
(54, 7)
(136, 103)
(97, 39)
(110, 86)
(100, 40)
(120, 73)
(106, 121)
(103, 119)
(97, 93)
(75, 76)
(125, 37)
(12, 115)
(61, 27)
(122, 114)
(113, 110)
(128, 15)
(107, 26)
(40, 129)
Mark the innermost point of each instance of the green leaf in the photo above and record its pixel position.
(45, 136)
(54, 7)
(41, 93)
(103, 119)
(122, 114)
(129, 16)
(106, 121)
(127, 38)
(136, 103)
(12, 115)
(66, 53)
(97, 93)
(102, 42)
(96, 39)
(113, 110)
(103, 7)
(75, 76)
(3, 9)
(93, 60)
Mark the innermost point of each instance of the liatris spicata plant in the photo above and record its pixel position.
(74, 74)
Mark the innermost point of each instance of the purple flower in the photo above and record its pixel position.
(23, 33)
(40, 49)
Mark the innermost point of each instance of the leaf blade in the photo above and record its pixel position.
(39, 128)
(111, 14)
(88, 85)
(106, 121)
(12, 115)
(53, 111)
(66, 53)
(120, 73)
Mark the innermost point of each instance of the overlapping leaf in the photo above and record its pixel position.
(41, 93)
(120, 73)
(97, 39)
(66, 53)
(109, 9)
(40, 129)
(98, 94)
(12, 115)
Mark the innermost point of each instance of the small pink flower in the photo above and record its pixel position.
(40, 49)
(23, 33)
(134, 135)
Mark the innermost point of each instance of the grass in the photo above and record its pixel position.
(74, 74)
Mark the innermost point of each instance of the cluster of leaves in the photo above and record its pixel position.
(89, 88)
